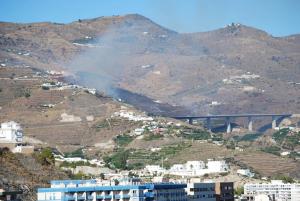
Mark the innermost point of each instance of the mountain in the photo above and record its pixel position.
(234, 69)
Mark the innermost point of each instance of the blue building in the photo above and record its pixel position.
(92, 190)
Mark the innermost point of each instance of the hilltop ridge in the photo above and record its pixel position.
(187, 69)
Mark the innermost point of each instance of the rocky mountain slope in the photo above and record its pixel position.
(24, 172)
(234, 69)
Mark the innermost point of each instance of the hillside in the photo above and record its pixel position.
(22, 172)
(67, 118)
(48, 70)
(241, 68)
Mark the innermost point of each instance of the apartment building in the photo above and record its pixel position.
(224, 191)
(93, 190)
(201, 191)
(276, 190)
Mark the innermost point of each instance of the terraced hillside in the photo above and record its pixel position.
(269, 164)
(40, 111)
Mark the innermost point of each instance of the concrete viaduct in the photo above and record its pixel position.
(229, 118)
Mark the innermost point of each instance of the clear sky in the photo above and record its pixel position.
(277, 17)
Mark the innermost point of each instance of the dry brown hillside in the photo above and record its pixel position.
(22, 99)
(23, 172)
(241, 68)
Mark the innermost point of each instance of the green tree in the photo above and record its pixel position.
(284, 178)
(102, 176)
(239, 191)
(119, 160)
(27, 94)
(45, 157)
(79, 175)
(116, 182)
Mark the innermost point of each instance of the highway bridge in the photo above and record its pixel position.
(229, 119)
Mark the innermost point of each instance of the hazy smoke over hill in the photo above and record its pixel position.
(102, 63)
(204, 72)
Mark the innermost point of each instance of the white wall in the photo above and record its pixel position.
(56, 196)
(11, 132)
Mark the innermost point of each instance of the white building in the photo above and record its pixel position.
(217, 166)
(285, 153)
(276, 190)
(155, 169)
(194, 165)
(177, 168)
(262, 198)
(131, 116)
(11, 132)
(245, 172)
(198, 168)
(139, 131)
(23, 149)
(124, 191)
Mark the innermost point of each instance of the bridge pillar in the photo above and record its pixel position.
(228, 124)
(208, 123)
(250, 123)
(191, 121)
(274, 122)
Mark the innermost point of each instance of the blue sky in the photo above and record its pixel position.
(277, 17)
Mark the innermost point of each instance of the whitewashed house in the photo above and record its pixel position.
(178, 168)
(245, 172)
(198, 168)
(11, 132)
(217, 166)
(194, 165)
(155, 169)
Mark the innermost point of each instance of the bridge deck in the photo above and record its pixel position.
(231, 115)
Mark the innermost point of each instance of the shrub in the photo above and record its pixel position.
(123, 140)
(45, 157)
(151, 137)
(280, 135)
(197, 134)
(75, 164)
(76, 153)
(80, 175)
(102, 176)
(27, 94)
(45, 88)
(272, 150)
(284, 178)
(4, 150)
(249, 137)
(135, 166)
(223, 174)
(239, 191)
(117, 160)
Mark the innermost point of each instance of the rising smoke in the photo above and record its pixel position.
(101, 66)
